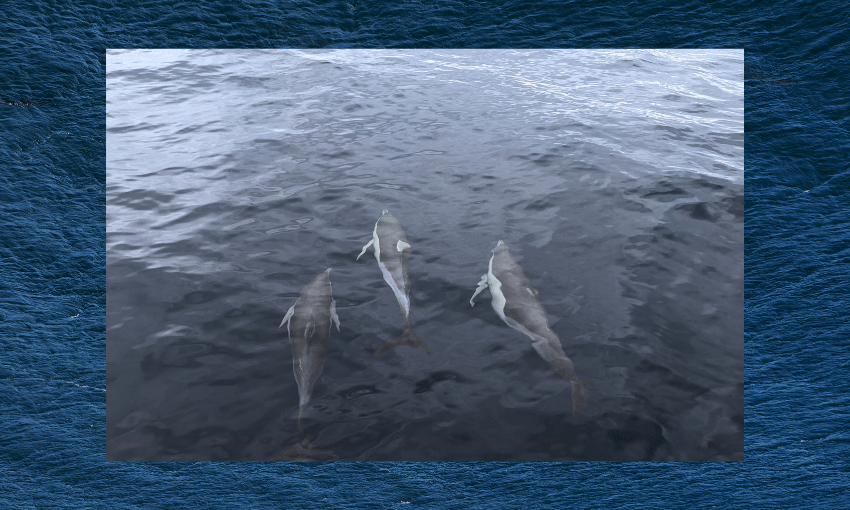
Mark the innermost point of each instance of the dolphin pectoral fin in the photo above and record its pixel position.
(579, 393)
(287, 316)
(409, 338)
(481, 286)
(334, 316)
(372, 241)
(401, 245)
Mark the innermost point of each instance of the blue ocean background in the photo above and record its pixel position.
(52, 270)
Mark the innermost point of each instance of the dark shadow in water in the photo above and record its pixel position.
(651, 314)
(436, 377)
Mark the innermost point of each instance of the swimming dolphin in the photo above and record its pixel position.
(517, 303)
(308, 322)
(392, 252)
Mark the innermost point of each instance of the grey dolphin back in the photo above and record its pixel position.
(517, 303)
(395, 254)
(392, 251)
(309, 323)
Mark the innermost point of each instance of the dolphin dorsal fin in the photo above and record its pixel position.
(401, 245)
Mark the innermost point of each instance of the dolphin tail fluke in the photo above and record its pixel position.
(303, 451)
(300, 414)
(579, 397)
(409, 338)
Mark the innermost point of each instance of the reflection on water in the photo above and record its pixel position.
(614, 177)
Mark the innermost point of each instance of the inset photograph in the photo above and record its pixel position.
(425, 255)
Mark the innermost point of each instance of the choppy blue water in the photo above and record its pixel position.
(52, 278)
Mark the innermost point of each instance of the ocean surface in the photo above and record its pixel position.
(234, 177)
(53, 270)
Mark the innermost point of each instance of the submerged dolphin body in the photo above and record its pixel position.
(393, 254)
(303, 451)
(517, 303)
(308, 322)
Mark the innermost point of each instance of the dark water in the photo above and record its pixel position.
(234, 177)
(52, 279)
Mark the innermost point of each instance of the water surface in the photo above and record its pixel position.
(615, 177)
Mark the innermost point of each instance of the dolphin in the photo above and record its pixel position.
(517, 303)
(308, 323)
(392, 252)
